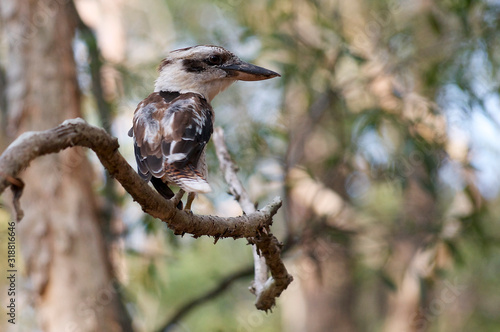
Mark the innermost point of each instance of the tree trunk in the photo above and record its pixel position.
(60, 236)
(324, 272)
(412, 264)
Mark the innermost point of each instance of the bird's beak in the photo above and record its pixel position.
(245, 71)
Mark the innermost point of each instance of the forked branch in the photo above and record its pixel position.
(254, 225)
(77, 132)
(266, 247)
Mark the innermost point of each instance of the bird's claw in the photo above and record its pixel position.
(177, 199)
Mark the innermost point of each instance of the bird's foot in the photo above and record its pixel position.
(189, 202)
(177, 199)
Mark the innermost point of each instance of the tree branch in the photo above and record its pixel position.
(77, 132)
(267, 248)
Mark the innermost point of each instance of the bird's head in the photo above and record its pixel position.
(206, 70)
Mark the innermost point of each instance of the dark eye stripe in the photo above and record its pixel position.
(193, 66)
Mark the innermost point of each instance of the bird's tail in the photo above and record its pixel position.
(188, 178)
(163, 189)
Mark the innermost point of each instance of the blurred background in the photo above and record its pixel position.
(381, 136)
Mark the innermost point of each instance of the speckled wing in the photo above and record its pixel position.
(170, 133)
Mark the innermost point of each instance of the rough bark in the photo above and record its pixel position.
(60, 236)
(77, 133)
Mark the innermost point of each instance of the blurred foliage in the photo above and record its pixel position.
(370, 92)
(376, 98)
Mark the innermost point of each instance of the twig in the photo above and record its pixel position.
(216, 291)
(77, 132)
(17, 186)
(229, 169)
(266, 247)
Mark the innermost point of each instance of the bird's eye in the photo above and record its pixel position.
(214, 60)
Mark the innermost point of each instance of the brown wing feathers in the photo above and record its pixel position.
(170, 133)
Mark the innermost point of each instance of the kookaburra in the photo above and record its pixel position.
(172, 126)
